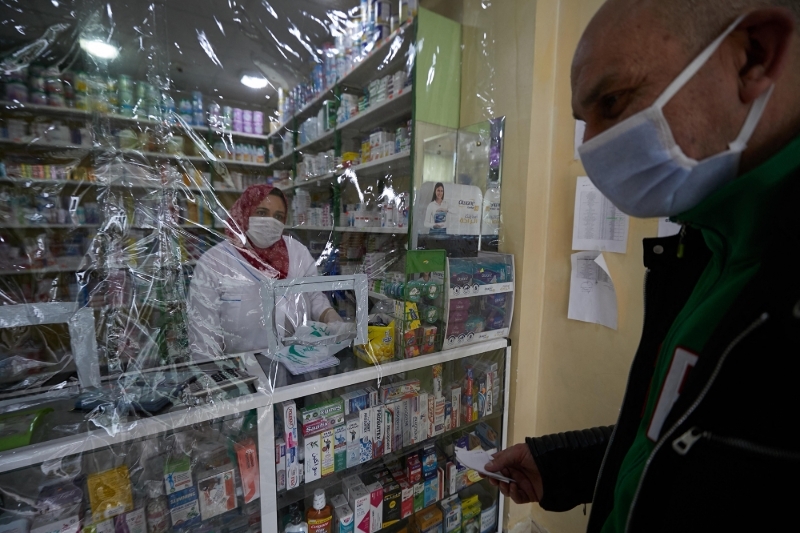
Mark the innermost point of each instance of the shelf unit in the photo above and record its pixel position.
(273, 501)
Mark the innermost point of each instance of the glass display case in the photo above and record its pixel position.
(209, 219)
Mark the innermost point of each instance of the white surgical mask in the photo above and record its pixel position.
(640, 168)
(264, 231)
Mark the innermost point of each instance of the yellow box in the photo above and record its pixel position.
(380, 345)
(110, 493)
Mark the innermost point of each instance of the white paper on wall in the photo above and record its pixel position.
(592, 296)
(597, 223)
(667, 228)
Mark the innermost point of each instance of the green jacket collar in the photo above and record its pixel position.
(738, 219)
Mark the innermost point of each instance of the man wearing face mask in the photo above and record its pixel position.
(692, 111)
(225, 307)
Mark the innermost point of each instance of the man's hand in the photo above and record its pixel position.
(517, 463)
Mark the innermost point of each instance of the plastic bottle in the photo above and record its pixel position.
(296, 524)
(320, 517)
(490, 223)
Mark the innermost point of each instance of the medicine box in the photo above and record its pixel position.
(313, 458)
(184, 509)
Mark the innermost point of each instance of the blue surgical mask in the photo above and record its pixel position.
(640, 168)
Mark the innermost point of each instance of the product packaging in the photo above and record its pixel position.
(340, 448)
(376, 506)
(353, 428)
(110, 492)
(343, 515)
(361, 505)
(247, 457)
(280, 464)
(312, 458)
(217, 494)
(367, 434)
(184, 509)
(430, 520)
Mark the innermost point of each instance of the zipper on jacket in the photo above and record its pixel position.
(759, 321)
(625, 396)
(685, 442)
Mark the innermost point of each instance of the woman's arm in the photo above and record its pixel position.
(320, 306)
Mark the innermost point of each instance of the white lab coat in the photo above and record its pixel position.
(225, 305)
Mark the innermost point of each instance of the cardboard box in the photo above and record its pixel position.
(430, 520)
(289, 418)
(280, 464)
(132, 522)
(70, 524)
(438, 416)
(407, 407)
(177, 474)
(313, 458)
(422, 414)
(217, 494)
(110, 493)
(430, 412)
(367, 435)
(342, 515)
(388, 430)
(397, 391)
(397, 425)
(406, 496)
(451, 514)
(353, 440)
(378, 431)
(448, 415)
(431, 490)
(340, 448)
(419, 496)
(376, 506)
(292, 468)
(360, 504)
(327, 450)
(247, 457)
(392, 502)
(355, 401)
(323, 410)
(455, 405)
(315, 427)
(184, 509)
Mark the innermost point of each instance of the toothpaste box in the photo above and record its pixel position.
(342, 515)
(438, 416)
(415, 430)
(397, 391)
(280, 464)
(455, 404)
(184, 509)
(322, 410)
(340, 448)
(367, 434)
(313, 458)
(289, 410)
(448, 415)
(422, 413)
(407, 415)
(361, 505)
(348, 484)
(436, 371)
(327, 453)
(429, 410)
(292, 468)
(177, 474)
(247, 459)
(353, 440)
(378, 422)
(388, 430)
(396, 410)
(315, 427)
(376, 506)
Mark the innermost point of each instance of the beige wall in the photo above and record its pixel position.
(566, 374)
(580, 368)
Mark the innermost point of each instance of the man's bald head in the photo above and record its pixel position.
(633, 49)
(700, 21)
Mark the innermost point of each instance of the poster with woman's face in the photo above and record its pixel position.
(448, 209)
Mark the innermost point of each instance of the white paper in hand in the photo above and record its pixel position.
(476, 460)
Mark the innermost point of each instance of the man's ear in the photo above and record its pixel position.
(769, 33)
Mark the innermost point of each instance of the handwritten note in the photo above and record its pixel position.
(597, 223)
(592, 296)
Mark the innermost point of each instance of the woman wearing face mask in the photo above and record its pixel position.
(225, 306)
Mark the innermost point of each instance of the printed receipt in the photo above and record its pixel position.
(476, 460)
(597, 224)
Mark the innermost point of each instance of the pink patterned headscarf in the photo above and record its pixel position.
(273, 260)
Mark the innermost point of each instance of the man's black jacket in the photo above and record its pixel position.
(729, 455)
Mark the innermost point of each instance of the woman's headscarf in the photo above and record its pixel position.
(273, 260)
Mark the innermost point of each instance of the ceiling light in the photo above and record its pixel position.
(254, 81)
(100, 49)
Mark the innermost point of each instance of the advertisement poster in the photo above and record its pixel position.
(444, 209)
